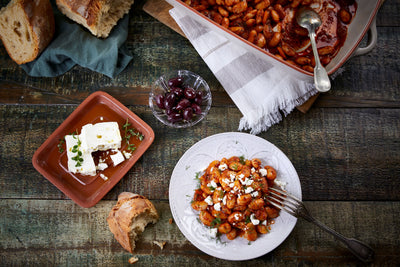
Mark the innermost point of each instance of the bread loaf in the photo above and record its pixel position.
(129, 217)
(99, 16)
(26, 28)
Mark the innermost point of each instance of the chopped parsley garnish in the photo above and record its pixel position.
(198, 175)
(242, 160)
(216, 222)
(212, 188)
(197, 178)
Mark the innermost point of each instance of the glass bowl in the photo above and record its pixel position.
(190, 79)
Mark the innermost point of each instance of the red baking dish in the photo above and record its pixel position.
(84, 190)
(361, 23)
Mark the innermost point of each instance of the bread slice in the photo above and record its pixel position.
(99, 16)
(26, 28)
(129, 217)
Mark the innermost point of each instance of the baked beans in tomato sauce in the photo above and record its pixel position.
(231, 198)
(271, 25)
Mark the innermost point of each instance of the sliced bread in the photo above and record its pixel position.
(26, 28)
(98, 16)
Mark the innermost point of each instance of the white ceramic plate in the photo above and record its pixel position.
(183, 184)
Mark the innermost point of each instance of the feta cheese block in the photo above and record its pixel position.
(87, 166)
(117, 158)
(100, 136)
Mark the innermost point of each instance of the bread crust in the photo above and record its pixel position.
(98, 16)
(121, 219)
(39, 17)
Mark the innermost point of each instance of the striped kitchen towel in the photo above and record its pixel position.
(263, 89)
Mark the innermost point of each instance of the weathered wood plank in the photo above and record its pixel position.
(339, 154)
(49, 233)
(351, 89)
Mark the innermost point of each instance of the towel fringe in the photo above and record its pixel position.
(272, 114)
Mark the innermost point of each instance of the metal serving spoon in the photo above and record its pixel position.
(309, 19)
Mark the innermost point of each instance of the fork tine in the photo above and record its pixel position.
(284, 193)
(291, 212)
(285, 198)
(283, 202)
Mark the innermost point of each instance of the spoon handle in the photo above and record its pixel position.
(321, 78)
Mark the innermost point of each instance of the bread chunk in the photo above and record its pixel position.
(129, 217)
(26, 28)
(98, 16)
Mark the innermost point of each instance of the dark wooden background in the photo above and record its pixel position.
(346, 150)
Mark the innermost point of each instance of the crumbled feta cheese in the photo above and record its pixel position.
(224, 200)
(223, 167)
(213, 184)
(248, 190)
(127, 155)
(253, 219)
(253, 170)
(208, 200)
(254, 194)
(217, 206)
(263, 172)
(236, 216)
(231, 185)
(232, 176)
(281, 184)
(226, 180)
(247, 181)
(213, 232)
(241, 176)
(264, 222)
(101, 166)
(117, 158)
(105, 178)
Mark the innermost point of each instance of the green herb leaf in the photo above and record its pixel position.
(131, 147)
(61, 145)
(216, 222)
(126, 125)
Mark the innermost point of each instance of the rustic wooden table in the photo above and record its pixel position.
(346, 150)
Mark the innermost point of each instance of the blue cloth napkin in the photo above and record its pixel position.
(73, 44)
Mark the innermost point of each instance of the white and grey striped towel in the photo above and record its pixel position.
(262, 89)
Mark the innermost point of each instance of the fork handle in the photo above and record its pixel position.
(358, 248)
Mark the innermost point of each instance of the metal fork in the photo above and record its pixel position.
(295, 207)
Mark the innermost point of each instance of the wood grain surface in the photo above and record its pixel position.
(345, 149)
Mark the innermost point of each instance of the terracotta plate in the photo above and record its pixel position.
(86, 191)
